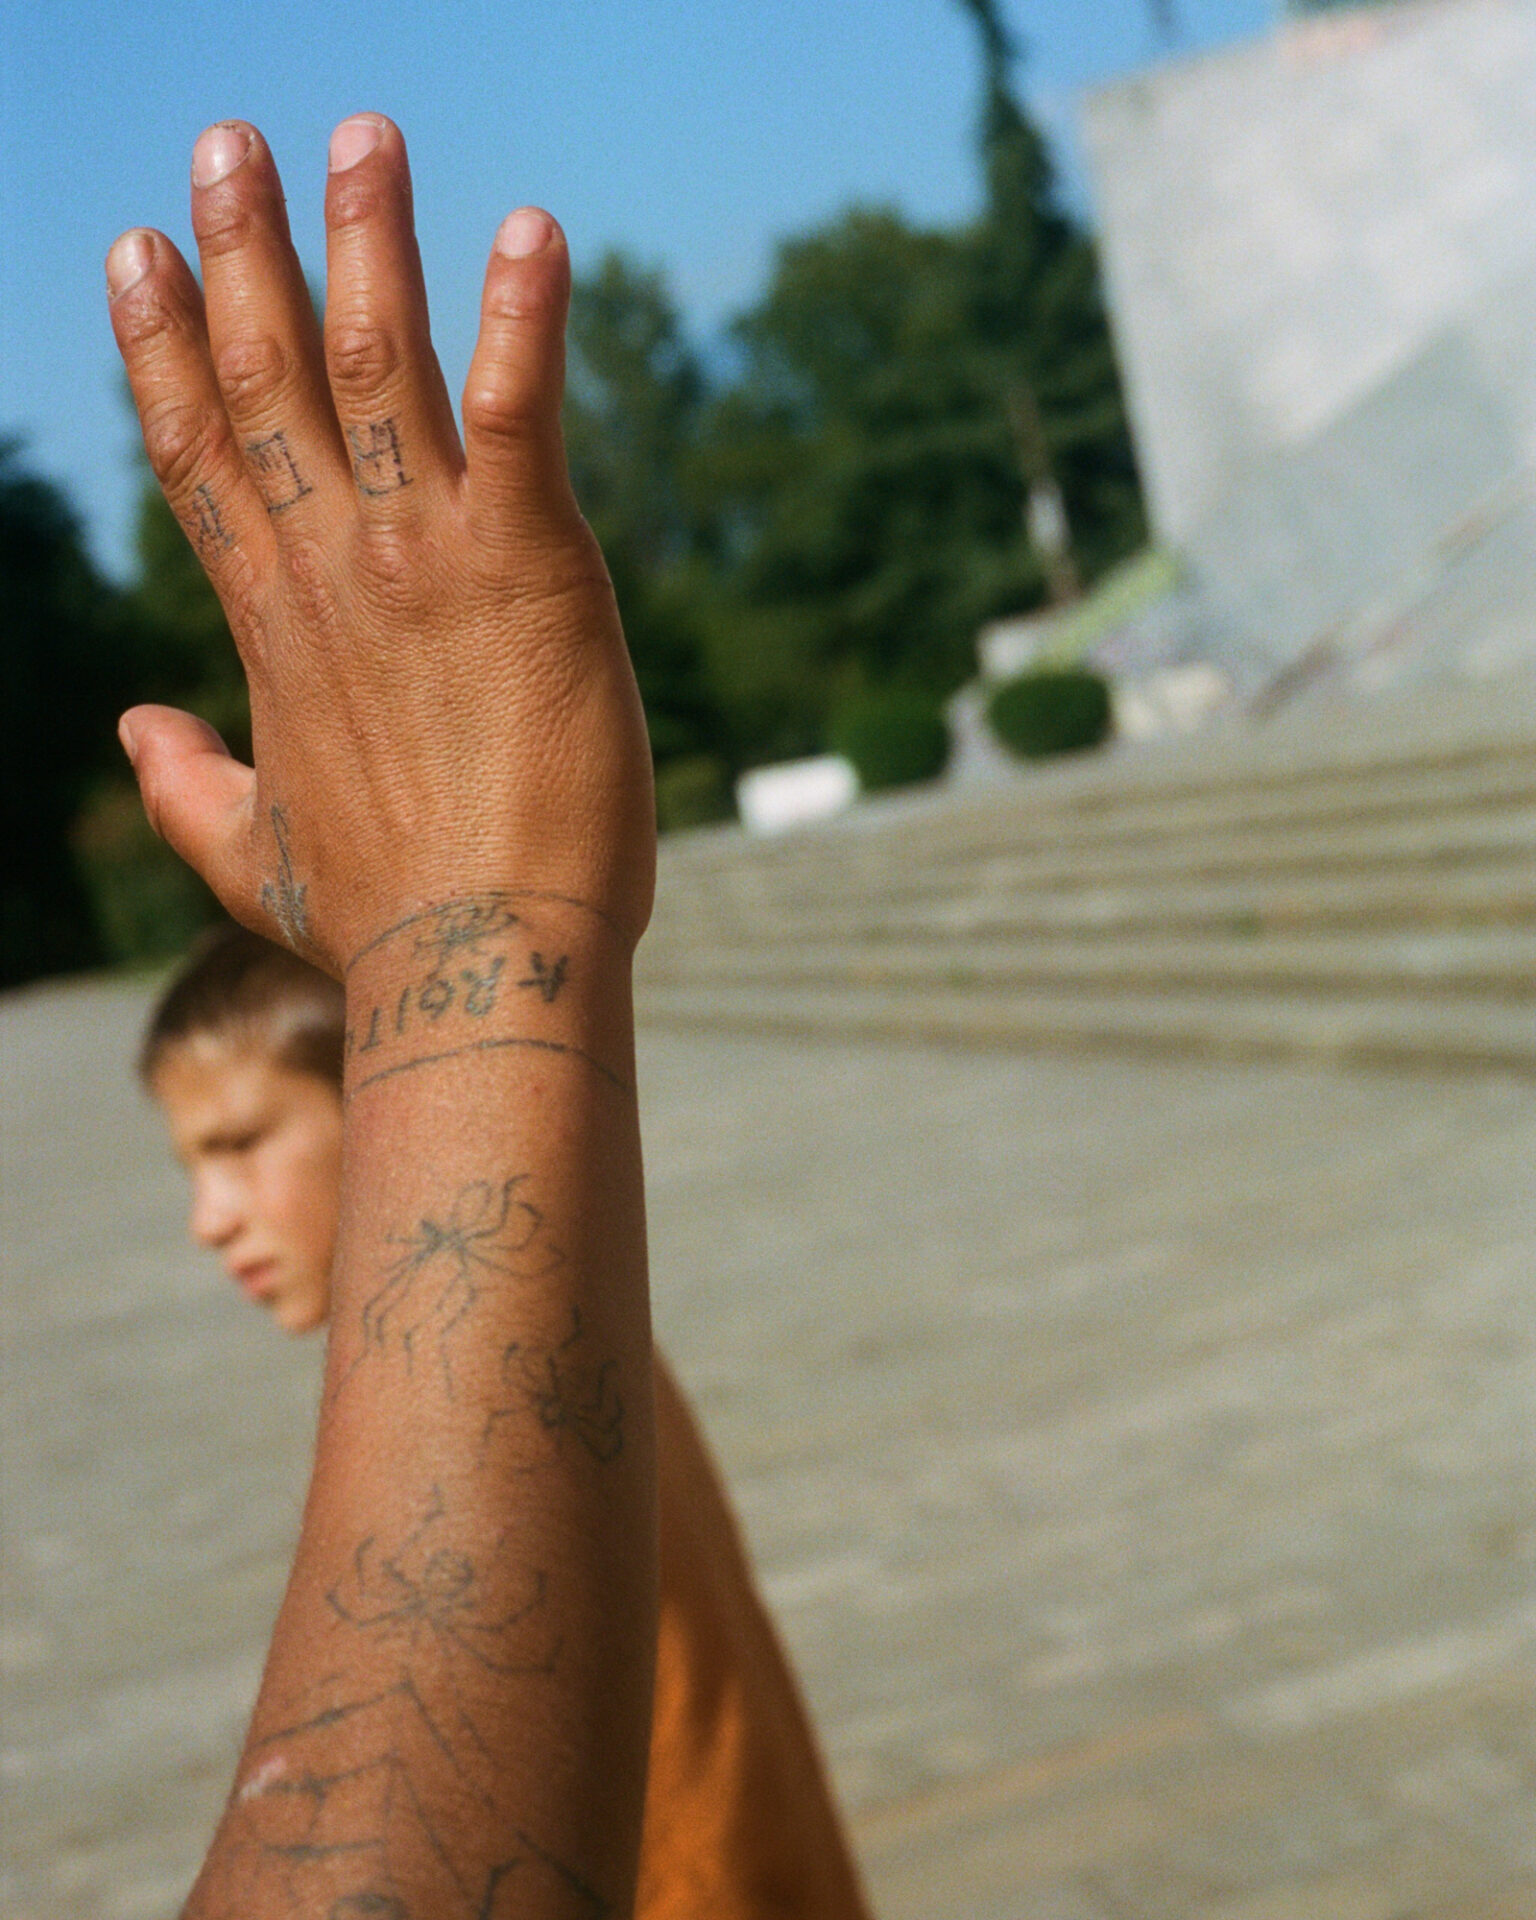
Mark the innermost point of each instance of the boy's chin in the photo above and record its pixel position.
(297, 1317)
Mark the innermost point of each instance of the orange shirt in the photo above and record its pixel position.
(739, 1823)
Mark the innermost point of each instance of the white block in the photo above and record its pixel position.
(796, 793)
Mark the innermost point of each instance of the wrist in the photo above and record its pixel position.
(500, 971)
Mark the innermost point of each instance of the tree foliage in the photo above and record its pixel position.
(66, 667)
(836, 503)
(807, 521)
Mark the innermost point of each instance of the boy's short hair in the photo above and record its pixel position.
(235, 986)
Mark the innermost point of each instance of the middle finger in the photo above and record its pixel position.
(262, 327)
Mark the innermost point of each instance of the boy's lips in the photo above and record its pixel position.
(255, 1277)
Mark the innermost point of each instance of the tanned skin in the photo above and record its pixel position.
(450, 810)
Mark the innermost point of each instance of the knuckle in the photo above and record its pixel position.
(223, 224)
(399, 569)
(143, 314)
(241, 595)
(182, 441)
(312, 596)
(499, 415)
(362, 358)
(353, 198)
(253, 373)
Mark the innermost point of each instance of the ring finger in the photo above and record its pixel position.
(388, 389)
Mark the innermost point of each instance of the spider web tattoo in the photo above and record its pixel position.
(373, 1784)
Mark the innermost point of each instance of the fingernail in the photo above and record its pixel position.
(217, 153)
(354, 140)
(524, 232)
(129, 738)
(128, 262)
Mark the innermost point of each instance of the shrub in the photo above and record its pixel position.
(1051, 710)
(893, 737)
(148, 904)
(692, 791)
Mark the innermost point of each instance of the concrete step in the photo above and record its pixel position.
(1497, 965)
(1031, 818)
(1403, 1031)
(1357, 884)
(1242, 904)
(1431, 844)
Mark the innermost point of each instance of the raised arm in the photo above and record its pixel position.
(450, 809)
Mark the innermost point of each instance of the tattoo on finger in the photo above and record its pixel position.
(378, 465)
(205, 524)
(277, 472)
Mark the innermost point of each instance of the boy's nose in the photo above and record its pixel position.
(215, 1216)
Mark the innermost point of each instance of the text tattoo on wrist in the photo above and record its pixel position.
(468, 965)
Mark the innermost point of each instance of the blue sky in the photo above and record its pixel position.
(693, 134)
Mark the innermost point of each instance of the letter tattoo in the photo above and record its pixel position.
(277, 472)
(207, 527)
(378, 466)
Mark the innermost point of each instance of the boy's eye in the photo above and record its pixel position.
(235, 1142)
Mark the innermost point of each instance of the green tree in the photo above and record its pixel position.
(635, 402)
(865, 474)
(1042, 329)
(907, 404)
(69, 666)
(191, 658)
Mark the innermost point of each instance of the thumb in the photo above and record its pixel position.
(197, 797)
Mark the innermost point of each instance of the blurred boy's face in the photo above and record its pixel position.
(262, 1145)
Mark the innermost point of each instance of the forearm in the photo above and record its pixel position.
(455, 1710)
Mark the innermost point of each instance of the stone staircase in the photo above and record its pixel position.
(1355, 881)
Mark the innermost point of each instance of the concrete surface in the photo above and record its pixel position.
(1140, 1458)
(1354, 881)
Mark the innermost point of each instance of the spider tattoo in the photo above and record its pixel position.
(426, 1592)
(567, 1395)
(460, 928)
(489, 1233)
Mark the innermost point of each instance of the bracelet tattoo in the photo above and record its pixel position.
(472, 975)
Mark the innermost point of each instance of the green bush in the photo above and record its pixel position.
(148, 904)
(1052, 710)
(892, 737)
(692, 791)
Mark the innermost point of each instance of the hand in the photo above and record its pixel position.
(441, 700)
